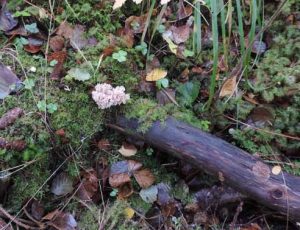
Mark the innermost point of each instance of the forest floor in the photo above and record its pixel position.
(69, 68)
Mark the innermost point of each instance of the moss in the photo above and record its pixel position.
(29, 183)
(148, 111)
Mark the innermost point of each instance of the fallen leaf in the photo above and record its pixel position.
(60, 132)
(134, 166)
(179, 34)
(276, 170)
(7, 21)
(77, 40)
(163, 196)
(173, 48)
(125, 191)
(165, 96)
(118, 4)
(58, 69)
(136, 24)
(126, 37)
(17, 145)
(119, 179)
(79, 74)
(228, 87)
(144, 178)
(149, 195)
(129, 213)
(88, 185)
(156, 74)
(61, 184)
(10, 117)
(65, 30)
(9, 82)
(128, 150)
(183, 11)
(57, 43)
(36, 209)
(61, 220)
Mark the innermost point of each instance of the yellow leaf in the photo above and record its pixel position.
(171, 45)
(118, 4)
(127, 150)
(276, 170)
(129, 213)
(156, 75)
(228, 87)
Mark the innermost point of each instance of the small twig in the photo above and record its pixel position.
(239, 209)
(13, 219)
(263, 130)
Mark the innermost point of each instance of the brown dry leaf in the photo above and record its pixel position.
(89, 185)
(250, 98)
(61, 220)
(17, 145)
(127, 37)
(108, 51)
(183, 11)
(156, 75)
(184, 76)
(144, 178)
(60, 132)
(127, 150)
(180, 34)
(125, 191)
(10, 117)
(197, 70)
(228, 87)
(103, 144)
(36, 209)
(65, 30)
(136, 23)
(32, 49)
(222, 65)
(134, 166)
(57, 43)
(119, 179)
(7, 21)
(276, 170)
(166, 96)
(60, 57)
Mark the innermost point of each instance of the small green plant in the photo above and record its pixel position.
(162, 83)
(32, 28)
(114, 192)
(50, 108)
(120, 56)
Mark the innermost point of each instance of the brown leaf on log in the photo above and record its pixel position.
(10, 117)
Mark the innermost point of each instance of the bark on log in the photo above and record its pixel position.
(242, 171)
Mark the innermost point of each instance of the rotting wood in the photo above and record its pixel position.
(242, 171)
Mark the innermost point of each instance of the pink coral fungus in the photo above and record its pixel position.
(106, 96)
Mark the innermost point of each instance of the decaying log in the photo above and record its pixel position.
(240, 170)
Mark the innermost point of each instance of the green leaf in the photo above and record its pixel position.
(51, 108)
(79, 74)
(29, 83)
(32, 28)
(22, 13)
(162, 83)
(120, 56)
(42, 106)
(53, 62)
(188, 92)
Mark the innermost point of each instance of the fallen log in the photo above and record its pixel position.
(244, 172)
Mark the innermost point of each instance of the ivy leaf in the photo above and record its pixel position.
(32, 28)
(188, 92)
(79, 74)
